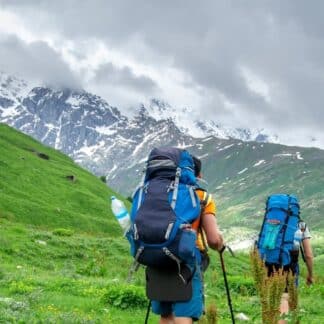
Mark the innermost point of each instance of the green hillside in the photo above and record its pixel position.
(41, 186)
(242, 175)
(63, 258)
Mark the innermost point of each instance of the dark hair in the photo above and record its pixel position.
(197, 163)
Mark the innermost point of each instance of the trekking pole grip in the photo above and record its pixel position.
(222, 249)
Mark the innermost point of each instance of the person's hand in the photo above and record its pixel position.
(222, 248)
(309, 280)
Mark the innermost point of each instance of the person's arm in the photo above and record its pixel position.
(309, 260)
(213, 235)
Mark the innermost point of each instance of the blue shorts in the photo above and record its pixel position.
(193, 308)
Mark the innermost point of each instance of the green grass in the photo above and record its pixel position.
(63, 258)
(68, 279)
(36, 191)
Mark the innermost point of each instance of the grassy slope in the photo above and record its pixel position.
(241, 197)
(36, 191)
(46, 277)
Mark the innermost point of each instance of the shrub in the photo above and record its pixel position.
(43, 236)
(242, 285)
(93, 268)
(270, 289)
(20, 287)
(122, 296)
(63, 232)
(103, 179)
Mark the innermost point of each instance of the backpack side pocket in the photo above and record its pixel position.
(271, 232)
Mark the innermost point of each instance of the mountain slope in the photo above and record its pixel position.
(97, 136)
(86, 127)
(242, 175)
(43, 187)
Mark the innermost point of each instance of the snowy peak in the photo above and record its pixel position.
(89, 130)
(12, 90)
(187, 121)
(182, 117)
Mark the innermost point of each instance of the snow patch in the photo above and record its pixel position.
(225, 147)
(75, 101)
(259, 163)
(105, 130)
(207, 139)
(299, 157)
(242, 171)
(9, 112)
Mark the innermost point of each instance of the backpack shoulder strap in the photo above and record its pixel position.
(203, 203)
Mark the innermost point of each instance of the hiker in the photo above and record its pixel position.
(207, 228)
(308, 256)
(283, 234)
(173, 221)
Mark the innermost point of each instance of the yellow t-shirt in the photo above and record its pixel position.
(210, 208)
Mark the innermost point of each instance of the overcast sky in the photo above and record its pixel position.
(241, 63)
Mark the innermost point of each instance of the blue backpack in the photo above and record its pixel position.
(164, 207)
(280, 223)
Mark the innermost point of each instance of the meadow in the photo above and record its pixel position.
(63, 258)
(60, 276)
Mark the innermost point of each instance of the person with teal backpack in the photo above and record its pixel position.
(282, 236)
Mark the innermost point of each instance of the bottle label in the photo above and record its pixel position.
(122, 214)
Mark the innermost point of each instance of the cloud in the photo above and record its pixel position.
(124, 77)
(211, 46)
(35, 61)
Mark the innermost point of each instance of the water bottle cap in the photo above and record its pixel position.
(112, 197)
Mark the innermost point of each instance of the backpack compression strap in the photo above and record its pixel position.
(288, 214)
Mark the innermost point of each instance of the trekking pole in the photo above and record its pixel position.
(302, 253)
(148, 312)
(226, 284)
(230, 251)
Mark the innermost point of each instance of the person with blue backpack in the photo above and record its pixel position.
(172, 218)
(282, 236)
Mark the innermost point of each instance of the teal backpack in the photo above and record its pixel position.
(276, 238)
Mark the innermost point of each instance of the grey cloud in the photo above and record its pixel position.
(36, 61)
(124, 77)
(280, 41)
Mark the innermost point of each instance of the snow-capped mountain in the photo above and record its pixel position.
(102, 139)
(186, 122)
(12, 91)
(85, 127)
(106, 142)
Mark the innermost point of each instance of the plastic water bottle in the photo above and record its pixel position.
(120, 211)
(297, 239)
(296, 246)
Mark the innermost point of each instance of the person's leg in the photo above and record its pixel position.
(183, 320)
(185, 312)
(164, 309)
(167, 319)
(284, 307)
